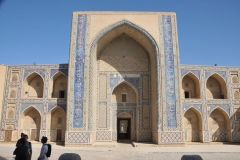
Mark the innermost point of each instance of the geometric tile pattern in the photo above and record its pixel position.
(79, 73)
(2, 135)
(169, 73)
(104, 135)
(171, 137)
(78, 137)
(144, 136)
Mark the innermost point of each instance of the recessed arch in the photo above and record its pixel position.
(138, 34)
(127, 89)
(58, 85)
(192, 124)
(190, 86)
(57, 125)
(216, 87)
(30, 122)
(219, 125)
(33, 86)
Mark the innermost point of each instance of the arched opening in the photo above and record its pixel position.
(124, 97)
(219, 125)
(57, 125)
(30, 122)
(124, 124)
(216, 87)
(190, 86)
(58, 86)
(124, 51)
(33, 86)
(192, 123)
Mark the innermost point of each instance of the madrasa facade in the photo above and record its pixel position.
(124, 81)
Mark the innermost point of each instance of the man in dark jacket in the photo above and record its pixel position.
(18, 142)
(21, 151)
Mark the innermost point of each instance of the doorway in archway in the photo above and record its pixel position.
(124, 129)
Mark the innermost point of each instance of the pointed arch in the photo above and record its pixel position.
(190, 86)
(33, 86)
(57, 125)
(124, 115)
(219, 125)
(58, 85)
(192, 124)
(216, 87)
(126, 91)
(30, 122)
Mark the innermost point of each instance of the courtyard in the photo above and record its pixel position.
(120, 151)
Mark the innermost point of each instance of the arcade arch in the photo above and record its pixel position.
(57, 125)
(30, 123)
(58, 86)
(33, 86)
(190, 86)
(192, 123)
(216, 87)
(219, 125)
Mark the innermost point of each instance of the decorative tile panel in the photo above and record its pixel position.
(171, 137)
(78, 137)
(103, 135)
(169, 73)
(54, 71)
(79, 73)
(27, 72)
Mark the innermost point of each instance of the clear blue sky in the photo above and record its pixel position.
(39, 30)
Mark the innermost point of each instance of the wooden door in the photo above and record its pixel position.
(33, 134)
(59, 134)
(8, 135)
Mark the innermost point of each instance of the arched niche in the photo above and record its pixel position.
(33, 86)
(124, 93)
(123, 54)
(57, 124)
(30, 123)
(192, 123)
(216, 87)
(190, 86)
(58, 86)
(219, 125)
(141, 40)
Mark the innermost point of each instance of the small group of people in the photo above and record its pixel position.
(23, 149)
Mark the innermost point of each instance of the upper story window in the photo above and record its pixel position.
(124, 97)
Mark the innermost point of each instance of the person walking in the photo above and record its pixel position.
(21, 151)
(29, 145)
(44, 149)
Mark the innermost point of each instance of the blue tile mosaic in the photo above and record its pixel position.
(27, 72)
(52, 105)
(225, 107)
(26, 105)
(79, 72)
(195, 72)
(169, 72)
(54, 71)
(198, 107)
(117, 79)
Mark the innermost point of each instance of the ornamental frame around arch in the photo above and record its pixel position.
(192, 107)
(225, 83)
(106, 30)
(51, 82)
(22, 114)
(222, 110)
(191, 73)
(198, 80)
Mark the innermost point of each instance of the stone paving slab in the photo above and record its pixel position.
(126, 151)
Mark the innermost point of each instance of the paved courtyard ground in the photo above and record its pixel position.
(124, 151)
